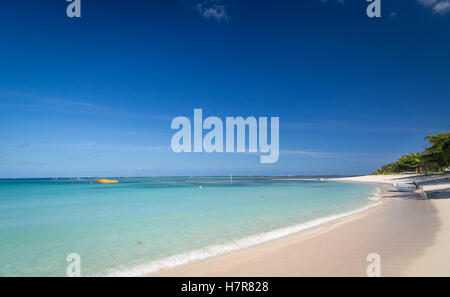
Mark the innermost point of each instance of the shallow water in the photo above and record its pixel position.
(127, 228)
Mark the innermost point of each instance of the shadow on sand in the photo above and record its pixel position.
(427, 181)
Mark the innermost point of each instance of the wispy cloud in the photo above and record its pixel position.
(312, 154)
(438, 6)
(339, 1)
(82, 156)
(34, 163)
(76, 105)
(55, 101)
(341, 155)
(212, 9)
(121, 147)
(25, 144)
(359, 127)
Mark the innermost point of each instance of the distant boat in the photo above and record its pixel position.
(107, 181)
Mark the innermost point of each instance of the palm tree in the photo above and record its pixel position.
(437, 156)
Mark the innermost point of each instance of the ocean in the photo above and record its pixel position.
(141, 225)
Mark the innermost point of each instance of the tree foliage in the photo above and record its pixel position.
(436, 157)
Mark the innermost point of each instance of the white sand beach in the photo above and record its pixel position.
(411, 235)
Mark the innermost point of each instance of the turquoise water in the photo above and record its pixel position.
(125, 228)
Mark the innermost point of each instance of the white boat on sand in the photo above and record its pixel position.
(406, 187)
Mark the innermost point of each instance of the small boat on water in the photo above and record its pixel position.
(107, 181)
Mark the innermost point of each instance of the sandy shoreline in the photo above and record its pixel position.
(411, 235)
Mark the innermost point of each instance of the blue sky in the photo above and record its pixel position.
(95, 96)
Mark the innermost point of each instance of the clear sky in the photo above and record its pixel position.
(95, 96)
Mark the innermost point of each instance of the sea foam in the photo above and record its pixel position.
(215, 250)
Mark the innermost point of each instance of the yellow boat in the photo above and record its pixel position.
(107, 181)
